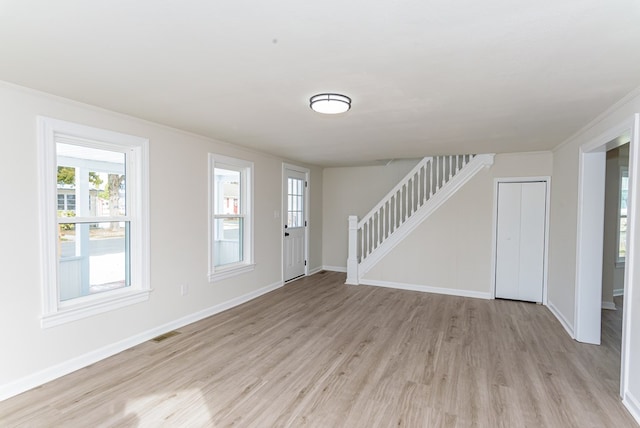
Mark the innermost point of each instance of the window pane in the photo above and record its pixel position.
(622, 249)
(227, 191)
(227, 240)
(622, 238)
(95, 178)
(71, 202)
(92, 258)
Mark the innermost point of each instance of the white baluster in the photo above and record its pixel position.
(451, 172)
(374, 232)
(399, 209)
(367, 240)
(416, 199)
(380, 225)
(404, 203)
(430, 176)
(370, 235)
(386, 219)
(392, 201)
(423, 187)
(407, 203)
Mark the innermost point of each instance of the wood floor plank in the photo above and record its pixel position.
(318, 353)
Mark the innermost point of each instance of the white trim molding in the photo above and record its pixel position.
(315, 270)
(563, 321)
(246, 190)
(342, 269)
(426, 289)
(630, 286)
(51, 133)
(633, 405)
(545, 274)
(307, 213)
(43, 376)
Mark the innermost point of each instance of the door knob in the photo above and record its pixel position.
(286, 234)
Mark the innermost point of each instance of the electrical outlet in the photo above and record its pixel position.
(184, 289)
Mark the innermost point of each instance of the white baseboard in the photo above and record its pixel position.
(315, 270)
(610, 306)
(426, 289)
(342, 269)
(618, 292)
(46, 375)
(633, 405)
(561, 318)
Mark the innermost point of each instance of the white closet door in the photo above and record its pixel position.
(520, 241)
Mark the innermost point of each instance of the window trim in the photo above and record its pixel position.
(217, 273)
(623, 171)
(51, 131)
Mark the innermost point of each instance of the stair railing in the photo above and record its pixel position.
(399, 205)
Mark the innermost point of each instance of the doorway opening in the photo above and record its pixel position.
(590, 234)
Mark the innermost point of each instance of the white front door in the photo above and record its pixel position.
(520, 240)
(295, 222)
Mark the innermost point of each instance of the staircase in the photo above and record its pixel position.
(425, 188)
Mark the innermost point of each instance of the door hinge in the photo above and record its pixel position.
(305, 223)
(305, 262)
(306, 184)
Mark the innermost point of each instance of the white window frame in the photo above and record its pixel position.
(50, 132)
(217, 273)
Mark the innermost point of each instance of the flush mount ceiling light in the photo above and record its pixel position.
(330, 103)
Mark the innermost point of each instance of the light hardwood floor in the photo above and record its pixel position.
(322, 354)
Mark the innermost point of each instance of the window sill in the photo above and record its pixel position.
(93, 305)
(230, 271)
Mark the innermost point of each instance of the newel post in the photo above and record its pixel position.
(352, 257)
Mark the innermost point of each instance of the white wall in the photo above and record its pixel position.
(315, 218)
(178, 197)
(353, 191)
(452, 249)
(564, 210)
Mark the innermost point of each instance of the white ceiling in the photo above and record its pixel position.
(426, 76)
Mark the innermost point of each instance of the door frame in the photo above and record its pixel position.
(591, 162)
(494, 241)
(284, 207)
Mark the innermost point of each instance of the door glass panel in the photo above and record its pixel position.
(295, 210)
